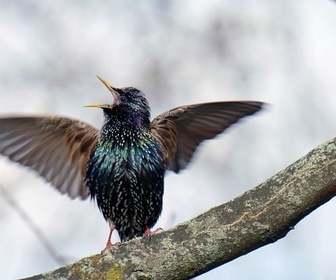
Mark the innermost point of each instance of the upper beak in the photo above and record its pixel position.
(114, 92)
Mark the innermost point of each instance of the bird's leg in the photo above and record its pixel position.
(109, 244)
(148, 232)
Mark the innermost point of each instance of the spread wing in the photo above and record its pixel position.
(181, 130)
(56, 148)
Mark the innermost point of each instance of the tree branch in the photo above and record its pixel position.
(256, 218)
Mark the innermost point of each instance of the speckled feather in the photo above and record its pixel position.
(121, 166)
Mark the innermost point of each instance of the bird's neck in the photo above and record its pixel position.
(122, 118)
(126, 123)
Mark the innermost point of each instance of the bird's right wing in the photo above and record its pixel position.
(56, 148)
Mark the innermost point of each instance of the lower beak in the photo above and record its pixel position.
(95, 105)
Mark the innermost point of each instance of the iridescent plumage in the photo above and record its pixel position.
(126, 168)
(122, 166)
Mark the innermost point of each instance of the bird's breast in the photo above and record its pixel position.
(125, 160)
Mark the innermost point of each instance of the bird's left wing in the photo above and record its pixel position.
(181, 130)
(56, 148)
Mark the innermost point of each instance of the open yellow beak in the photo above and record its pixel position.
(114, 92)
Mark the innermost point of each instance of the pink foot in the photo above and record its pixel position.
(109, 244)
(148, 232)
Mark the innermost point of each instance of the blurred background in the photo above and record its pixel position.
(178, 52)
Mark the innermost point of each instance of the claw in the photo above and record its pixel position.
(108, 246)
(148, 232)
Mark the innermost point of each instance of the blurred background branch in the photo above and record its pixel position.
(60, 260)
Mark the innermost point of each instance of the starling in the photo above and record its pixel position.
(121, 166)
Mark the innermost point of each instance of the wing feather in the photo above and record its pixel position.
(56, 148)
(182, 129)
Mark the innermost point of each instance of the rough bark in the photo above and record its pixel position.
(256, 218)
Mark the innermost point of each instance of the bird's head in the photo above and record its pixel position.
(127, 101)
